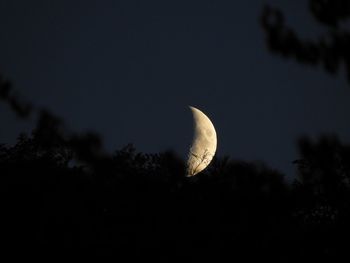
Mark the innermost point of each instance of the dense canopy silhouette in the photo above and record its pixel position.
(63, 192)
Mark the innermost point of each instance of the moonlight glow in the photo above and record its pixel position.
(204, 143)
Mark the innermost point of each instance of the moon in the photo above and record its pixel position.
(204, 143)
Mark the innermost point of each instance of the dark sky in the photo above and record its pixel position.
(128, 69)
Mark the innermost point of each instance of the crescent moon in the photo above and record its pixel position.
(204, 143)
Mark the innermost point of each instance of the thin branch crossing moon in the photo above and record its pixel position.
(204, 143)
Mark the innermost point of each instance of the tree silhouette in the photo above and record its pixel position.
(62, 192)
(319, 197)
(329, 50)
(197, 160)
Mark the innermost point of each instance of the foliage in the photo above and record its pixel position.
(330, 50)
(61, 192)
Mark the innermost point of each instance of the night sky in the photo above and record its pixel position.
(128, 69)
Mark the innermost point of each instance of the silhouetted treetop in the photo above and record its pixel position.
(61, 191)
(329, 50)
(7, 94)
(324, 164)
(330, 12)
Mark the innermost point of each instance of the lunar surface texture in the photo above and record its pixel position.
(204, 143)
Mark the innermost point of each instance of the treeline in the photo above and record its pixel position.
(61, 194)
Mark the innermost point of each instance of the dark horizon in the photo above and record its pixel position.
(144, 64)
(61, 195)
(95, 130)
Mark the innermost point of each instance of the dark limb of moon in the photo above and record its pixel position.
(204, 143)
